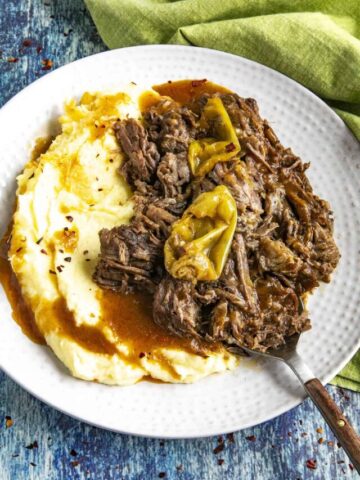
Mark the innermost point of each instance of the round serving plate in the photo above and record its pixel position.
(255, 391)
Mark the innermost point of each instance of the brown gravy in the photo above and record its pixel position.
(185, 91)
(41, 146)
(21, 312)
(130, 318)
(181, 91)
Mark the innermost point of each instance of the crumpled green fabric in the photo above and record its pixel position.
(316, 42)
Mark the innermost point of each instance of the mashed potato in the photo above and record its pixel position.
(63, 199)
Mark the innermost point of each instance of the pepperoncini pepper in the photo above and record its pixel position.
(199, 242)
(205, 153)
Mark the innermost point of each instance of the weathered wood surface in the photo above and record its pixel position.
(68, 449)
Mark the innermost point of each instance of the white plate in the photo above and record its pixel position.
(251, 394)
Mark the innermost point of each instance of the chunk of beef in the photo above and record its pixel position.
(131, 256)
(243, 188)
(274, 256)
(141, 155)
(129, 259)
(175, 307)
(173, 129)
(158, 214)
(280, 316)
(174, 174)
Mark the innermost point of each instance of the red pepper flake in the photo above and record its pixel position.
(220, 461)
(61, 250)
(8, 421)
(220, 439)
(321, 440)
(338, 445)
(47, 64)
(303, 434)
(230, 438)
(319, 430)
(311, 464)
(289, 434)
(18, 250)
(66, 229)
(142, 355)
(162, 474)
(67, 259)
(111, 160)
(251, 438)
(59, 268)
(12, 59)
(74, 463)
(69, 218)
(52, 272)
(351, 466)
(230, 147)
(198, 83)
(218, 449)
(39, 49)
(330, 443)
(100, 189)
(73, 452)
(27, 42)
(87, 259)
(85, 252)
(32, 445)
(43, 251)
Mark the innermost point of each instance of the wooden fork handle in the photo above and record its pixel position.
(338, 423)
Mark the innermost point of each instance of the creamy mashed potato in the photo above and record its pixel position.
(64, 198)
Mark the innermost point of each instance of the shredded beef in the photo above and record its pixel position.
(174, 174)
(142, 156)
(129, 259)
(175, 307)
(283, 245)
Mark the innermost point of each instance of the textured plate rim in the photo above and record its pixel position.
(291, 403)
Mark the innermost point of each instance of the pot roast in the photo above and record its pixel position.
(282, 248)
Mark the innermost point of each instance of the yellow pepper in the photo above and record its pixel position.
(204, 154)
(199, 242)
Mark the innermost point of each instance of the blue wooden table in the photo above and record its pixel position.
(36, 441)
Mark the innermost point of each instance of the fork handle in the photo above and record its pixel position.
(338, 423)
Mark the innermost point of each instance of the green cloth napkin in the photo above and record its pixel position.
(315, 42)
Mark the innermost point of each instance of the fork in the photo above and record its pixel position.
(332, 414)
